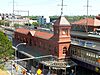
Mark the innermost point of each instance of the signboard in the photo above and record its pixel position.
(39, 71)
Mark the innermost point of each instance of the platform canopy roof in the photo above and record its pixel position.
(55, 63)
(88, 22)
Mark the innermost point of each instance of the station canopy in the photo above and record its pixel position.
(55, 63)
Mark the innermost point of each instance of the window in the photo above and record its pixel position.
(64, 50)
(64, 31)
(40, 44)
(34, 43)
(26, 40)
(55, 50)
(30, 42)
(78, 52)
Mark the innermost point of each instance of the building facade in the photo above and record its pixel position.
(42, 20)
(56, 43)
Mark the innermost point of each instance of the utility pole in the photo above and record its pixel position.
(87, 11)
(87, 7)
(28, 19)
(87, 16)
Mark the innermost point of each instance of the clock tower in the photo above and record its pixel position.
(62, 36)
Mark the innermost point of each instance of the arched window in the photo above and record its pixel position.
(30, 42)
(40, 44)
(64, 50)
(26, 40)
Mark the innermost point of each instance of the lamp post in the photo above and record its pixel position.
(16, 48)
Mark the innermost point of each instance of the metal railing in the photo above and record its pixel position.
(85, 60)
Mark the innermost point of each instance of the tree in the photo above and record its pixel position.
(36, 24)
(16, 25)
(4, 22)
(6, 50)
(1, 22)
(27, 24)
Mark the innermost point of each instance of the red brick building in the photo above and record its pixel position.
(56, 43)
(86, 25)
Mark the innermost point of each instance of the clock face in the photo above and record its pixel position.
(64, 32)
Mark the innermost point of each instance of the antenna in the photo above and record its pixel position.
(62, 7)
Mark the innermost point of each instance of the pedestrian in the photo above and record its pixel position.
(48, 73)
(72, 72)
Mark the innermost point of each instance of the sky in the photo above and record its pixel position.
(50, 7)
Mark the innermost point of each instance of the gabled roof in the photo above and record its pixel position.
(62, 21)
(35, 33)
(43, 35)
(32, 32)
(88, 21)
(22, 30)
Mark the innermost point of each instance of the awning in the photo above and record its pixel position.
(58, 64)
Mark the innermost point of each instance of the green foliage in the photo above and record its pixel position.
(6, 23)
(6, 50)
(2, 22)
(16, 25)
(77, 18)
(36, 24)
(71, 18)
(27, 24)
(33, 17)
(53, 18)
(48, 25)
(2, 67)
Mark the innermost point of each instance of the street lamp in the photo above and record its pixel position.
(16, 48)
